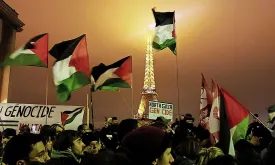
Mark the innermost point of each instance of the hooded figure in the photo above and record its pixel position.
(147, 145)
(126, 126)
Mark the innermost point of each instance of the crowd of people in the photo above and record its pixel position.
(133, 142)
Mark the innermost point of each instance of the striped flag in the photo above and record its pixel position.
(9, 123)
(165, 32)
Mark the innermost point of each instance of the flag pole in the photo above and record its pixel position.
(92, 106)
(178, 90)
(124, 99)
(132, 93)
(88, 111)
(260, 121)
(47, 92)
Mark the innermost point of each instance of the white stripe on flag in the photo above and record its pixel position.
(163, 33)
(20, 51)
(62, 71)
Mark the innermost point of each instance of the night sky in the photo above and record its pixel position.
(231, 41)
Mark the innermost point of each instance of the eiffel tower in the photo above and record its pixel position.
(149, 88)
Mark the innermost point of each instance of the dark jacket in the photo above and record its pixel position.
(183, 161)
(64, 158)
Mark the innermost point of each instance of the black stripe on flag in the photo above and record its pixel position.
(163, 18)
(30, 43)
(65, 49)
(97, 71)
(70, 112)
(225, 136)
(9, 123)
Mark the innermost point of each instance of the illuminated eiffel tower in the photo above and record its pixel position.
(149, 88)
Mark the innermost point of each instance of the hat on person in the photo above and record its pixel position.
(126, 126)
(88, 137)
(146, 144)
(163, 120)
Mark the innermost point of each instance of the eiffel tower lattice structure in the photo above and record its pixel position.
(149, 87)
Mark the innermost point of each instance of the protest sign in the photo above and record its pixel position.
(157, 109)
(14, 116)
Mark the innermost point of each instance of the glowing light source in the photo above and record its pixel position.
(149, 88)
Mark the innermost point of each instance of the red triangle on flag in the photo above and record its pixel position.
(80, 57)
(41, 48)
(235, 111)
(64, 117)
(125, 71)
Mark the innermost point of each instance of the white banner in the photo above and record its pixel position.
(157, 109)
(35, 116)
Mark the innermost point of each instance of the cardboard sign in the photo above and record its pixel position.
(157, 109)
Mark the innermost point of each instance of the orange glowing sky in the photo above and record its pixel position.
(231, 41)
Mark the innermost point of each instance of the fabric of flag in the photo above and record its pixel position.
(165, 32)
(233, 122)
(112, 77)
(9, 124)
(214, 118)
(33, 53)
(72, 119)
(238, 117)
(71, 68)
(205, 104)
(271, 114)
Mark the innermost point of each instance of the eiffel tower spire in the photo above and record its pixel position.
(149, 87)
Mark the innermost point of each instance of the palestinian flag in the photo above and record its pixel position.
(165, 33)
(271, 114)
(205, 104)
(234, 119)
(74, 117)
(33, 53)
(237, 115)
(112, 77)
(71, 69)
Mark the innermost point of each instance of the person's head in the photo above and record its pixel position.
(23, 149)
(207, 154)
(7, 134)
(149, 145)
(114, 120)
(245, 153)
(260, 136)
(160, 125)
(223, 160)
(189, 147)
(84, 128)
(92, 141)
(256, 135)
(188, 118)
(163, 120)
(69, 140)
(56, 129)
(25, 129)
(47, 137)
(182, 117)
(108, 122)
(126, 126)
